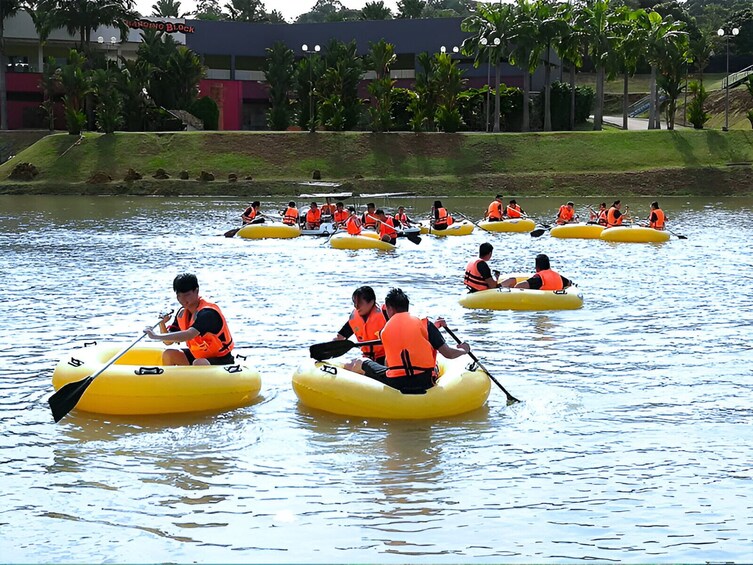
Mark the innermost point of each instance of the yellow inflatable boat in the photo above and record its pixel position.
(136, 384)
(523, 298)
(634, 234)
(577, 231)
(327, 386)
(367, 240)
(272, 231)
(516, 225)
(463, 227)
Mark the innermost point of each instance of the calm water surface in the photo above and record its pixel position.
(633, 442)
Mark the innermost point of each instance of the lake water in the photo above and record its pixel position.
(633, 441)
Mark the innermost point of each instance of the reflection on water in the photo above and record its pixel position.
(632, 442)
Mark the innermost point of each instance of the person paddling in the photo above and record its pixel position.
(478, 274)
(441, 219)
(386, 227)
(353, 223)
(252, 215)
(340, 215)
(615, 215)
(313, 217)
(411, 345)
(566, 214)
(598, 216)
(290, 215)
(402, 218)
(544, 278)
(656, 218)
(495, 210)
(513, 210)
(200, 324)
(365, 322)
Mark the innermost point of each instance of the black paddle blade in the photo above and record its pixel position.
(682, 236)
(413, 238)
(330, 349)
(538, 233)
(65, 400)
(232, 232)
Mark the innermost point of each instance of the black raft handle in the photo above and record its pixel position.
(233, 368)
(75, 362)
(89, 343)
(149, 371)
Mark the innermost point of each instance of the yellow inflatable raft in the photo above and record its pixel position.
(577, 231)
(273, 231)
(634, 234)
(329, 387)
(343, 240)
(517, 225)
(523, 299)
(458, 228)
(136, 384)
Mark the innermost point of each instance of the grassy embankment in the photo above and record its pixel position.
(578, 163)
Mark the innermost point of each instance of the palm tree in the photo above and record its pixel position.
(490, 26)
(43, 16)
(75, 81)
(166, 8)
(376, 11)
(701, 48)
(410, 9)
(527, 47)
(8, 8)
(569, 48)
(593, 20)
(279, 70)
(631, 41)
(380, 58)
(83, 16)
(552, 27)
(185, 70)
(246, 10)
(449, 81)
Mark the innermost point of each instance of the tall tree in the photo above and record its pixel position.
(449, 81)
(337, 90)
(166, 9)
(109, 105)
(279, 70)
(209, 10)
(424, 106)
(42, 13)
(630, 48)
(376, 10)
(381, 56)
(526, 41)
(410, 9)
(593, 20)
(8, 8)
(570, 50)
(75, 81)
(552, 27)
(246, 11)
(83, 16)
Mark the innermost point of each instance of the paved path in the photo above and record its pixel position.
(636, 123)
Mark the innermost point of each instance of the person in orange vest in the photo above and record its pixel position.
(478, 274)
(566, 214)
(402, 218)
(615, 216)
(200, 324)
(328, 209)
(386, 227)
(365, 322)
(410, 347)
(252, 215)
(340, 214)
(290, 215)
(656, 218)
(368, 218)
(598, 216)
(495, 211)
(441, 219)
(353, 223)
(544, 279)
(313, 217)
(513, 210)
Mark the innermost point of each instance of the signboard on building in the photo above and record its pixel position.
(161, 25)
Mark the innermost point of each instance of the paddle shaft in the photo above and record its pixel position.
(413, 238)
(510, 398)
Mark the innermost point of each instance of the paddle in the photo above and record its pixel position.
(412, 237)
(65, 399)
(510, 398)
(330, 349)
(232, 232)
(540, 231)
(467, 218)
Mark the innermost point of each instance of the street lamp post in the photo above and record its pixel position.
(309, 52)
(721, 33)
(485, 42)
(111, 46)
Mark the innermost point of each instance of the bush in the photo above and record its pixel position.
(207, 111)
(560, 104)
(696, 113)
(400, 104)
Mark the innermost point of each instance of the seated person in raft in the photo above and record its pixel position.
(365, 322)
(411, 345)
(252, 215)
(402, 218)
(478, 274)
(328, 210)
(313, 217)
(386, 227)
(544, 279)
(440, 218)
(496, 210)
(198, 323)
(340, 215)
(566, 214)
(290, 214)
(353, 223)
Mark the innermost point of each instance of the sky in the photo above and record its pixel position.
(289, 8)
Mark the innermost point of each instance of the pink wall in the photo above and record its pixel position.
(228, 94)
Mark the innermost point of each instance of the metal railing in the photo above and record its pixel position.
(736, 78)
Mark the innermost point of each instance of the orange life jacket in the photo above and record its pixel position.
(209, 344)
(550, 280)
(327, 209)
(660, 219)
(368, 220)
(443, 217)
(387, 227)
(402, 218)
(494, 212)
(314, 217)
(407, 347)
(290, 217)
(602, 219)
(340, 217)
(473, 278)
(565, 214)
(368, 330)
(612, 220)
(514, 211)
(249, 214)
(353, 225)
